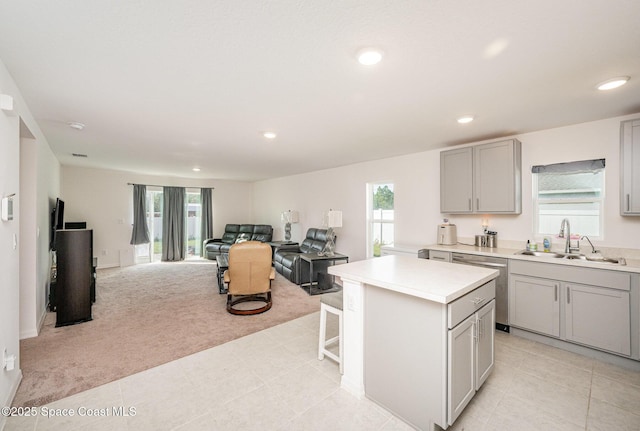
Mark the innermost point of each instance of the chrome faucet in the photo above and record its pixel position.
(567, 244)
(593, 249)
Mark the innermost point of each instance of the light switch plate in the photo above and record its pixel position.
(7, 209)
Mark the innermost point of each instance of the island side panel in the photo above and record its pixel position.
(353, 327)
(405, 362)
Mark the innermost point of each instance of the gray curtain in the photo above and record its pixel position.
(173, 223)
(140, 234)
(206, 223)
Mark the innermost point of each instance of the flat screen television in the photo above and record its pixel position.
(57, 221)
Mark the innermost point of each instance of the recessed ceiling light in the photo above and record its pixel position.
(196, 169)
(76, 126)
(465, 119)
(269, 135)
(369, 56)
(612, 83)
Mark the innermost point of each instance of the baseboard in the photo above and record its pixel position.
(29, 334)
(43, 316)
(35, 332)
(610, 358)
(12, 394)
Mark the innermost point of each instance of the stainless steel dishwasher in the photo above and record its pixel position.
(502, 282)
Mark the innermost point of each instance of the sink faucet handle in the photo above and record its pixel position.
(593, 249)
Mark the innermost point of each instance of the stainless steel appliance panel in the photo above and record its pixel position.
(502, 282)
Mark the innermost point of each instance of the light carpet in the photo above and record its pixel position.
(144, 316)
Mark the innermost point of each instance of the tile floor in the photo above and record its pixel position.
(272, 380)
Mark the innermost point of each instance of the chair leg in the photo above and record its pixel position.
(323, 331)
(323, 343)
(340, 342)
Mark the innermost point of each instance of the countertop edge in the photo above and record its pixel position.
(633, 265)
(343, 272)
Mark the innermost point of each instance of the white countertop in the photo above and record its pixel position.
(633, 265)
(427, 279)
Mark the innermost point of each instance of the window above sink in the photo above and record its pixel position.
(573, 190)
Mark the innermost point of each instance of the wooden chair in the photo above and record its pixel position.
(249, 276)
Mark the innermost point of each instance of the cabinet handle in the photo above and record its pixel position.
(568, 295)
(470, 208)
(556, 292)
(628, 203)
(478, 204)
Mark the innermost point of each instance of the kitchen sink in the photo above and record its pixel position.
(574, 256)
(540, 253)
(617, 261)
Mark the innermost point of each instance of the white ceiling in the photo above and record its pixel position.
(164, 86)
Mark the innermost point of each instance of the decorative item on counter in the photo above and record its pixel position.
(533, 246)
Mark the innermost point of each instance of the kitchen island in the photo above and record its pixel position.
(418, 335)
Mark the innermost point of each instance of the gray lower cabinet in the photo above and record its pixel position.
(424, 361)
(630, 167)
(598, 317)
(581, 305)
(471, 358)
(483, 178)
(534, 304)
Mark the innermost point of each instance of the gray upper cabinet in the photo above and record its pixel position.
(456, 180)
(630, 167)
(483, 178)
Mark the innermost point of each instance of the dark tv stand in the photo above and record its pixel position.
(75, 281)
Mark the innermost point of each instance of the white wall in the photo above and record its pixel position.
(12, 264)
(39, 185)
(416, 200)
(9, 288)
(417, 188)
(102, 198)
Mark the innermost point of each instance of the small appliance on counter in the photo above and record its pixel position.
(489, 239)
(447, 234)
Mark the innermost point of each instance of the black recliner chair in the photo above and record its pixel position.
(287, 257)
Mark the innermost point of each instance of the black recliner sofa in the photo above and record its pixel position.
(236, 233)
(287, 257)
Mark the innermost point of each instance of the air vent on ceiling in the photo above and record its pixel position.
(79, 155)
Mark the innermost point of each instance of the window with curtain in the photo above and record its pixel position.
(573, 190)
